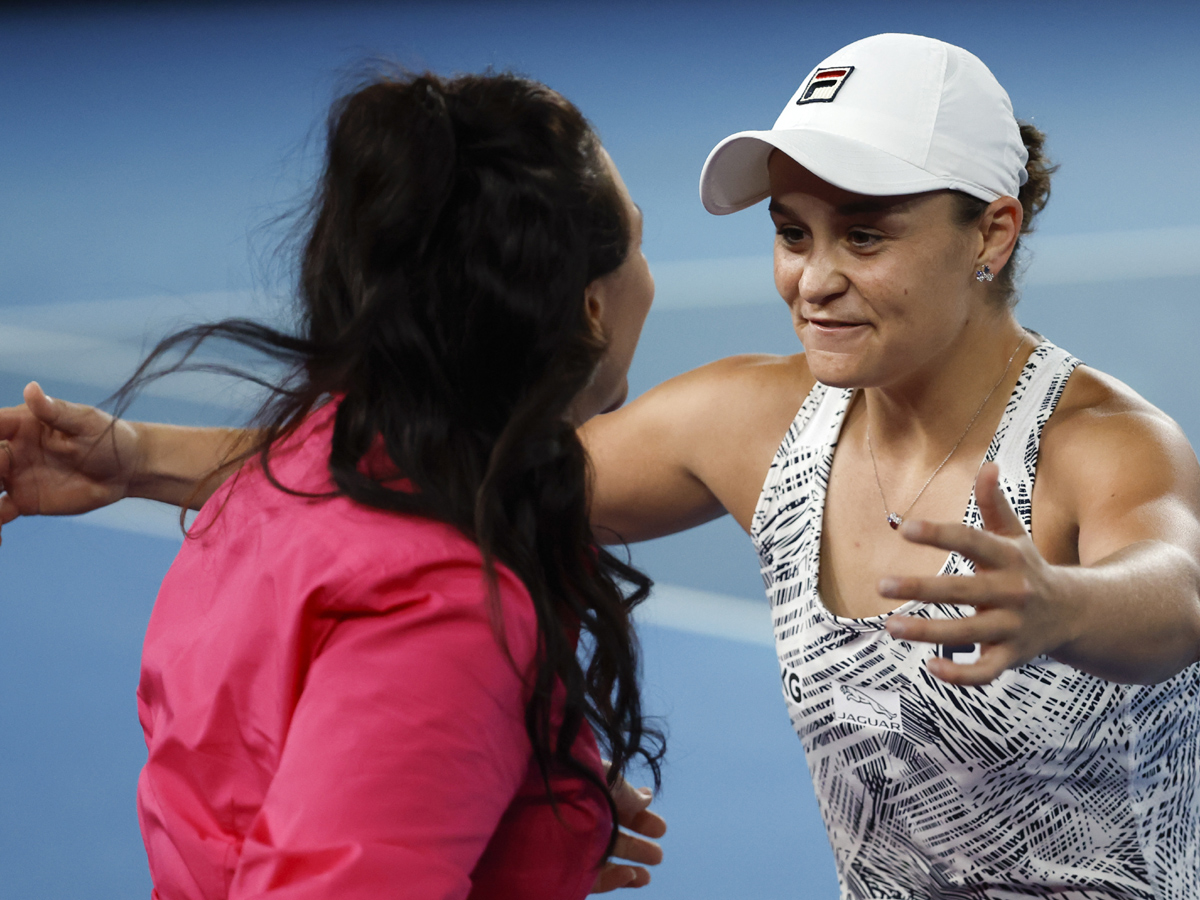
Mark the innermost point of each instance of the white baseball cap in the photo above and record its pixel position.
(890, 114)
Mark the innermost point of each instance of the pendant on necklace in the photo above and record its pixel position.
(894, 520)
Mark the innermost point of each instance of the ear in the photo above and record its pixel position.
(999, 228)
(594, 302)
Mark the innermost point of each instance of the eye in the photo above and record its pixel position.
(861, 239)
(790, 234)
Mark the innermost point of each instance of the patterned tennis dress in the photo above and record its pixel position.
(1046, 783)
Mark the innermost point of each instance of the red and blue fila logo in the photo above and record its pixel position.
(824, 85)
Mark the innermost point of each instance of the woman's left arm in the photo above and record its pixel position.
(1128, 484)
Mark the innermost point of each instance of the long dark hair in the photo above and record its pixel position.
(454, 229)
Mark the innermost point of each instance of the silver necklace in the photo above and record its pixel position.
(894, 519)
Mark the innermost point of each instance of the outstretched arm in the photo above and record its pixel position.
(693, 448)
(683, 453)
(61, 458)
(1128, 608)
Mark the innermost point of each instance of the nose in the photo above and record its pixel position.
(819, 277)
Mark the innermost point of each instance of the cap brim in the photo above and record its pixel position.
(735, 173)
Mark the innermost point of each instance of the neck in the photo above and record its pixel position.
(924, 413)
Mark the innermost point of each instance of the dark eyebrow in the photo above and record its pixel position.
(856, 208)
(875, 205)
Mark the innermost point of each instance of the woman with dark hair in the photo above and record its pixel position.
(1032, 730)
(361, 676)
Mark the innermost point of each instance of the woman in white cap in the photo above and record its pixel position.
(1032, 731)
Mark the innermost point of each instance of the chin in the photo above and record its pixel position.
(838, 370)
(618, 401)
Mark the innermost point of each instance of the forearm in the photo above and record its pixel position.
(184, 466)
(1134, 617)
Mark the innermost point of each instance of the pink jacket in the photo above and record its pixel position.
(328, 712)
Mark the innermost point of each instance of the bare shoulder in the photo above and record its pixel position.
(1107, 445)
(754, 371)
(742, 386)
(694, 446)
(731, 410)
(1099, 414)
(737, 412)
(753, 390)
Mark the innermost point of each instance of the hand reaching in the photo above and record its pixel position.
(1020, 612)
(60, 458)
(638, 823)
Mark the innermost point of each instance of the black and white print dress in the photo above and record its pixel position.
(1046, 783)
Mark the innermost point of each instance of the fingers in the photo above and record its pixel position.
(616, 875)
(6, 462)
(629, 800)
(39, 403)
(633, 812)
(69, 418)
(998, 515)
(635, 815)
(1002, 589)
(649, 823)
(992, 662)
(992, 547)
(635, 848)
(994, 631)
(11, 418)
(990, 627)
(988, 550)
(8, 509)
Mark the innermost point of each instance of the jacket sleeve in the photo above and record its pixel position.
(406, 746)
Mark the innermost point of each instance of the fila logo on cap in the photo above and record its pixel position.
(824, 85)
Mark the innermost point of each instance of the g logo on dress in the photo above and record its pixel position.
(791, 684)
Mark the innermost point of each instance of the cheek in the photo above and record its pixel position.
(637, 295)
(787, 274)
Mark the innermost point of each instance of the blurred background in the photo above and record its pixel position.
(151, 152)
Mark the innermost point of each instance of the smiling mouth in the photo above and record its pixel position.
(828, 323)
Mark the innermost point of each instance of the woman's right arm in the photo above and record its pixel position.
(693, 448)
(61, 458)
(683, 453)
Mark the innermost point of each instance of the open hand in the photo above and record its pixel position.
(637, 824)
(60, 458)
(1020, 612)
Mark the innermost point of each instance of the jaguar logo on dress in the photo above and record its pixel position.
(824, 85)
(867, 707)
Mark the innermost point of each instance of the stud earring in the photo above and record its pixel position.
(984, 274)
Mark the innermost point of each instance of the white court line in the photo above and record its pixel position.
(713, 615)
(99, 343)
(1048, 260)
(670, 606)
(138, 516)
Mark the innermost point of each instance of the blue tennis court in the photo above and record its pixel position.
(148, 151)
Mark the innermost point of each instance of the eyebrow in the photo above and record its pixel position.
(856, 208)
(874, 205)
